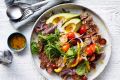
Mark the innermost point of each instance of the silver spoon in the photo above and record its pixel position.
(15, 12)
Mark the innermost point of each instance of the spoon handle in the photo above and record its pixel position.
(38, 5)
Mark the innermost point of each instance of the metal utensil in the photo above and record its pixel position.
(15, 12)
(35, 15)
(6, 57)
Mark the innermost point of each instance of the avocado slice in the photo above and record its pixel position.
(61, 16)
(72, 25)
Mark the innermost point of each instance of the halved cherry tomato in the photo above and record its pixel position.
(91, 49)
(70, 35)
(65, 47)
(83, 29)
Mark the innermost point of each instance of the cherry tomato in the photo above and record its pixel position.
(83, 29)
(70, 35)
(92, 46)
(91, 49)
(65, 47)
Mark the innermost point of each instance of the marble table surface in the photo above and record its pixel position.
(22, 67)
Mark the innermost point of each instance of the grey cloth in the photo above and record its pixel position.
(32, 17)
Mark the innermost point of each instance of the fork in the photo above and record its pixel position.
(32, 8)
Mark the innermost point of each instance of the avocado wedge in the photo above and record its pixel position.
(72, 25)
(61, 17)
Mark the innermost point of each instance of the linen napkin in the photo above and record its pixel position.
(35, 15)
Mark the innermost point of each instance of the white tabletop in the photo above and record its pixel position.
(22, 67)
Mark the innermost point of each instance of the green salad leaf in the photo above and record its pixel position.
(98, 49)
(34, 48)
(71, 52)
(50, 38)
(51, 45)
(81, 69)
(52, 51)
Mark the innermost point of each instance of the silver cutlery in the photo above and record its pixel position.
(16, 12)
(20, 22)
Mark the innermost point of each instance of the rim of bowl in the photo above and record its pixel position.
(106, 26)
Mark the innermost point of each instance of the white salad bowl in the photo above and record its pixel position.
(103, 30)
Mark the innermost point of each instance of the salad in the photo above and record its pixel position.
(68, 45)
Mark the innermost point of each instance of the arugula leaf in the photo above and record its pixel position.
(52, 51)
(34, 48)
(51, 45)
(50, 38)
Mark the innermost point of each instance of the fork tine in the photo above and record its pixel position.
(27, 13)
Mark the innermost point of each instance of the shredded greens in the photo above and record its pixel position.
(52, 51)
(34, 48)
(52, 47)
(49, 38)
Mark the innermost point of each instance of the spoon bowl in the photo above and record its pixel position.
(14, 12)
